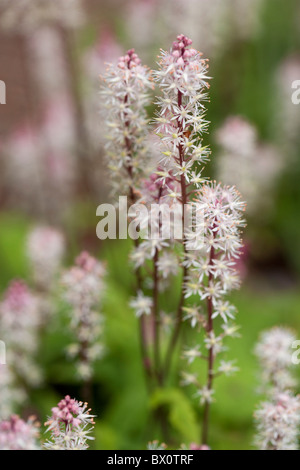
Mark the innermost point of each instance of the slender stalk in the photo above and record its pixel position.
(139, 278)
(178, 323)
(210, 360)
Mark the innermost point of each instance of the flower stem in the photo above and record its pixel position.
(210, 360)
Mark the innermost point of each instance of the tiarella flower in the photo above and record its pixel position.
(213, 342)
(16, 434)
(70, 426)
(83, 290)
(182, 78)
(230, 330)
(227, 368)
(207, 216)
(124, 92)
(224, 309)
(188, 379)
(278, 422)
(192, 313)
(206, 395)
(19, 324)
(167, 265)
(212, 238)
(274, 351)
(45, 251)
(142, 305)
(191, 354)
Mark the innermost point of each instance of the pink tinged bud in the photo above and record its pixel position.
(180, 62)
(175, 54)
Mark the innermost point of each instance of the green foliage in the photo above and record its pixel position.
(180, 413)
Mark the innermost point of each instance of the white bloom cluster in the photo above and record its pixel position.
(70, 425)
(19, 324)
(278, 423)
(182, 77)
(84, 287)
(17, 434)
(159, 226)
(45, 251)
(278, 419)
(212, 271)
(124, 90)
(274, 351)
(244, 159)
(27, 15)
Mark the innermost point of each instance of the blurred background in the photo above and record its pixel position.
(52, 173)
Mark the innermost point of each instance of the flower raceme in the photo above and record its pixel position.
(70, 425)
(124, 91)
(83, 287)
(278, 423)
(274, 351)
(20, 320)
(207, 263)
(278, 418)
(182, 78)
(45, 251)
(17, 434)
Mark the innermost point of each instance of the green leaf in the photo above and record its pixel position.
(181, 414)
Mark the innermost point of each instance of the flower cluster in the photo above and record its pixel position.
(158, 227)
(274, 351)
(45, 251)
(278, 419)
(70, 425)
(212, 275)
(182, 77)
(27, 15)
(83, 288)
(125, 89)
(20, 320)
(16, 434)
(202, 239)
(278, 423)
